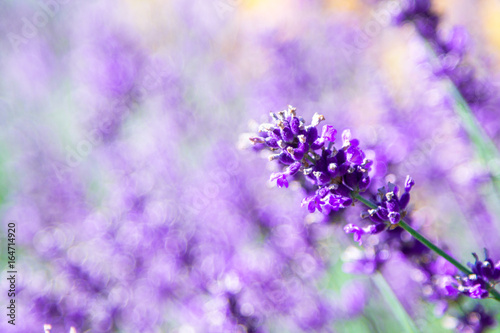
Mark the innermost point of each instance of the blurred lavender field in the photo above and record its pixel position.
(140, 205)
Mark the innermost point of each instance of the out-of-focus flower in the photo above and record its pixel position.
(419, 12)
(354, 298)
(365, 262)
(476, 320)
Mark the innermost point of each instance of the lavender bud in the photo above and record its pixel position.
(287, 134)
(295, 125)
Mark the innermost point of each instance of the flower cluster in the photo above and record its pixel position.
(335, 173)
(485, 275)
(337, 177)
(390, 207)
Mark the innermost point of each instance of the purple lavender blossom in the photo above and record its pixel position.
(390, 208)
(485, 275)
(143, 235)
(334, 173)
(487, 269)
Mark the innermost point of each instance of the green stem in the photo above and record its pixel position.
(394, 303)
(371, 323)
(429, 244)
(310, 159)
(367, 202)
(495, 295)
(433, 247)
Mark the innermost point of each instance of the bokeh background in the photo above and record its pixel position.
(139, 206)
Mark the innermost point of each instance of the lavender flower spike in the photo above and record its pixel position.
(389, 211)
(485, 275)
(391, 207)
(334, 173)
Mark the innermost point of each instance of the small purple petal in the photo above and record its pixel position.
(280, 179)
(346, 137)
(375, 228)
(355, 155)
(286, 159)
(357, 231)
(409, 183)
(393, 205)
(364, 183)
(286, 134)
(294, 168)
(271, 142)
(394, 217)
(318, 144)
(295, 125)
(329, 133)
(404, 200)
(311, 134)
(478, 292)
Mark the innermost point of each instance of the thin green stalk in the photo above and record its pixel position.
(495, 294)
(429, 244)
(366, 202)
(394, 303)
(419, 237)
(371, 323)
(433, 247)
(443, 254)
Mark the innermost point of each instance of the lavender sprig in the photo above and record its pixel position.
(339, 176)
(390, 207)
(484, 289)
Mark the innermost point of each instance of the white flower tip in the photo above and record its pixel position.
(317, 118)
